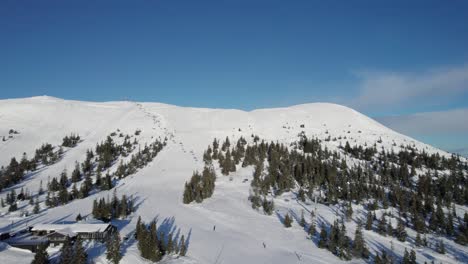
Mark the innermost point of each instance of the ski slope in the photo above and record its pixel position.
(240, 230)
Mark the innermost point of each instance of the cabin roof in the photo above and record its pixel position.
(71, 228)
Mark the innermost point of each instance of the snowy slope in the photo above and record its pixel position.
(240, 230)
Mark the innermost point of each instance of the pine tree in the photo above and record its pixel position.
(80, 256)
(323, 240)
(359, 245)
(287, 221)
(369, 221)
(183, 246)
(382, 226)
(418, 242)
(113, 248)
(406, 258)
(412, 257)
(41, 257)
(440, 247)
(67, 254)
(401, 233)
(303, 221)
(36, 208)
(312, 231)
(170, 244)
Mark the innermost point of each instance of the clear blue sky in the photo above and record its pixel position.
(241, 53)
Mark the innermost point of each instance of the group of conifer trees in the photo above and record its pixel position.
(71, 141)
(73, 253)
(200, 186)
(154, 244)
(64, 189)
(106, 210)
(15, 171)
(337, 242)
(381, 179)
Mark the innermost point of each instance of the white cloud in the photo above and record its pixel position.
(445, 129)
(429, 123)
(391, 89)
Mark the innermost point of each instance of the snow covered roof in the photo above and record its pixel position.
(71, 228)
(66, 232)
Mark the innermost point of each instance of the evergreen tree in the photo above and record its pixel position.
(113, 248)
(401, 233)
(41, 256)
(323, 240)
(406, 258)
(312, 231)
(418, 242)
(170, 244)
(440, 247)
(369, 221)
(67, 254)
(36, 208)
(412, 257)
(287, 221)
(303, 221)
(359, 245)
(382, 226)
(183, 246)
(80, 256)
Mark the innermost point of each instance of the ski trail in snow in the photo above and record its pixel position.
(219, 254)
(172, 136)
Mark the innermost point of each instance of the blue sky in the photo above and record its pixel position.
(383, 58)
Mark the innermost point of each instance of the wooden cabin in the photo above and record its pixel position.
(86, 231)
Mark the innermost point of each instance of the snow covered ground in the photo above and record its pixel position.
(240, 230)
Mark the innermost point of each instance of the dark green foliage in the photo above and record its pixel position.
(382, 226)
(323, 239)
(113, 248)
(71, 141)
(80, 256)
(312, 230)
(383, 258)
(440, 246)
(183, 246)
(36, 208)
(302, 221)
(67, 253)
(359, 245)
(153, 245)
(369, 221)
(268, 206)
(287, 221)
(200, 186)
(106, 210)
(382, 179)
(400, 231)
(41, 256)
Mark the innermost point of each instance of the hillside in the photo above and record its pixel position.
(241, 235)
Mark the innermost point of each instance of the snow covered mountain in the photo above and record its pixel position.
(221, 229)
